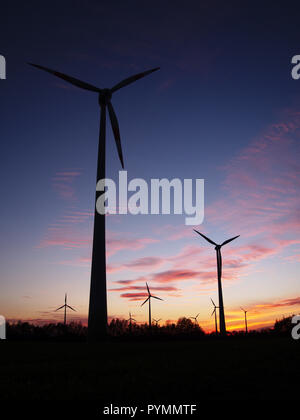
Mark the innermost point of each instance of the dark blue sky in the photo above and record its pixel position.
(224, 78)
(224, 72)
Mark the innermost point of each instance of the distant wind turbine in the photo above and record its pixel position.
(65, 306)
(130, 319)
(195, 318)
(219, 264)
(97, 322)
(246, 325)
(214, 312)
(156, 321)
(149, 300)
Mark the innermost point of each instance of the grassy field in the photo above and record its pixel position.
(181, 371)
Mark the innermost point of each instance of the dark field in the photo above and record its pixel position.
(181, 371)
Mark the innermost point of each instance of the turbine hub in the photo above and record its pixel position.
(217, 247)
(104, 97)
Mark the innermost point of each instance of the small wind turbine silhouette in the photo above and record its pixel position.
(215, 312)
(65, 306)
(130, 319)
(195, 318)
(246, 326)
(156, 321)
(219, 265)
(149, 299)
(97, 322)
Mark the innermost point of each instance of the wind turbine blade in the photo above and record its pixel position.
(145, 301)
(132, 79)
(155, 297)
(116, 131)
(132, 319)
(229, 240)
(213, 312)
(59, 308)
(213, 302)
(205, 237)
(197, 315)
(69, 79)
(148, 289)
(71, 308)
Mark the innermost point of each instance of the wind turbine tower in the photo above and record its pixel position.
(97, 321)
(246, 325)
(149, 300)
(219, 266)
(65, 306)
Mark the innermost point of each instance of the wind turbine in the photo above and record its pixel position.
(195, 318)
(149, 300)
(130, 320)
(156, 321)
(65, 306)
(246, 326)
(219, 264)
(97, 321)
(215, 312)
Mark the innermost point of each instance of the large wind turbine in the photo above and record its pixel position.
(246, 325)
(214, 312)
(149, 300)
(219, 264)
(97, 322)
(65, 306)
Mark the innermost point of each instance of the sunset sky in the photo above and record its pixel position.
(223, 107)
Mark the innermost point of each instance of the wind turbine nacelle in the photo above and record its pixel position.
(104, 97)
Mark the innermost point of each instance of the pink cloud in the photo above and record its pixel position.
(257, 308)
(293, 258)
(137, 264)
(173, 233)
(65, 242)
(153, 288)
(75, 216)
(116, 243)
(134, 296)
(174, 275)
(62, 184)
(261, 186)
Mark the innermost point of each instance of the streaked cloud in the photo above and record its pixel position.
(63, 184)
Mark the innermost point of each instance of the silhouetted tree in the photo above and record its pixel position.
(185, 324)
(284, 325)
